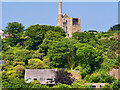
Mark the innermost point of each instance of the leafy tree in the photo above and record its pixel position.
(100, 78)
(16, 54)
(88, 58)
(50, 38)
(36, 33)
(15, 31)
(115, 27)
(63, 77)
(60, 53)
(15, 83)
(83, 37)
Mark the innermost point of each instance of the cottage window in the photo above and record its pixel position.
(35, 78)
(49, 79)
(93, 86)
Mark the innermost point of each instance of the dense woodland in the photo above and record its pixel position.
(91, 53)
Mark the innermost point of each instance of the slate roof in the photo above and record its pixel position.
(45, 76)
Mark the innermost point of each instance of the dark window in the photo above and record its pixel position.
(35, 78)
(66, 21)
(49, 79)
(68, 35)
(93, 86)
(66, 29)
(75, 21)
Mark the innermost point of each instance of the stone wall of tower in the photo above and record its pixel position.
(76, 28)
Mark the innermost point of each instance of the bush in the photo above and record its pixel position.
(116, 85)
(99, 78)
(36, 64)
(59, 85)
(81, 84)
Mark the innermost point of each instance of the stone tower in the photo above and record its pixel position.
(69, 24)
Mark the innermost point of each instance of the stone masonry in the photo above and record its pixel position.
(115, 72)
(69, 24)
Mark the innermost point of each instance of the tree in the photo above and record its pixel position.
(63, 77)
(36, 33)
(83, 37)
(15, 31)
(88, 58)
(60, 53)
(50, 38)
(16, 54)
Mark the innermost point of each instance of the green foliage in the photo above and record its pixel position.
(36, 33)
(36, 64)
(38, 86)
(108, 64)
(83, 37)
(81, 84)
(116, 85)
(50, 38)
(88, 58)
(15, 83)
(0, 45)
(36, 54)
(16, 30)
(115, 27)
(16, 54)
(61, 52)
(12, 72)
(47, 47)
(59, 85)
(100, 78)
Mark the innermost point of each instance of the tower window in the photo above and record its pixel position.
(75, 21)
(66, 29)
(68, 35)
(66, 21)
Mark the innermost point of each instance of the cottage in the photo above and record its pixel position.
(45, 76)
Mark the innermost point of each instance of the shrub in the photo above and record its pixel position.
(96, 78)
(116, 85)
(36, 64)
(59, 85)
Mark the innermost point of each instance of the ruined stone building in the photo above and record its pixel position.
(115, 72)
(69, 24)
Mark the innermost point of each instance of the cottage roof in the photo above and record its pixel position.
(43, 75)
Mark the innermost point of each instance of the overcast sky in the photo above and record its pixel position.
(98, 16)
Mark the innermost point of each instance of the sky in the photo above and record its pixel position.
(98, 16)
